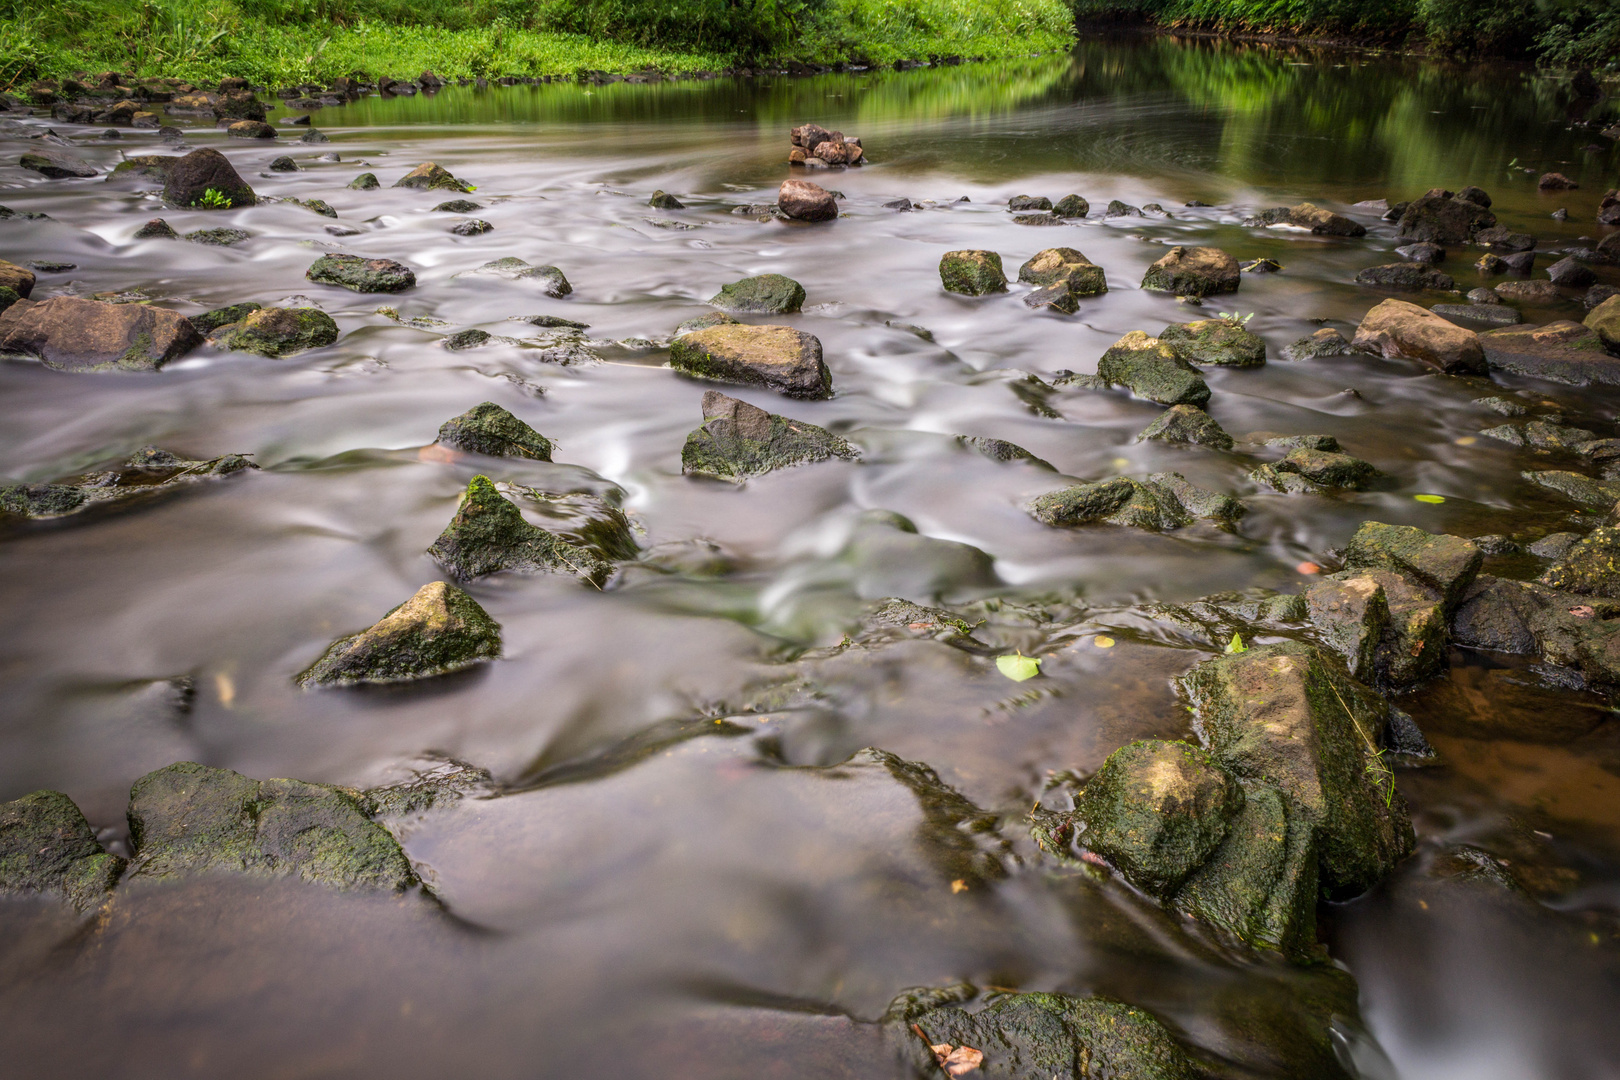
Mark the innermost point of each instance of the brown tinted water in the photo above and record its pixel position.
(676, 875)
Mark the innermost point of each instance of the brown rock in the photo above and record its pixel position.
(1529, 292)
(780, 357)
(796, 156)
(1555, 181)
(1396, 328)
(16, 278)
(73, 334)
(251, 129)
(1609, 208)
(804, 201)
(833, 153)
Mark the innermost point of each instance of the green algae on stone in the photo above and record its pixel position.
(738, 441)
(1305, 471)
(766, 294)
(147, 473)
(462, 340)
(788, 361)
(1525, 617)
(552, 280)
(439, 630)
(366, 181)
(1000, 450)
(209, 321)
(1604, 320)
(1152, 369)
(1591, 567)
(489, 534)
(1156, 810)
(1064, 264)
(319, 206)
(663, 200)
(47, 847)
(1187, 424)
(1193, 271)
(1413, 645)
(187, 819)
(489, 429)
(1350, 614)
(1216, 342)
(1444, 564)
(972, 273)
(8, 296)
(1071, 206)
(430, 177)
(1165, 501)
(276, 332)
(362, 275)
(221, 237)
(703, 322)
(1581, 489)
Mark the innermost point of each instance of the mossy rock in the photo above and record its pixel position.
(488, 534)
(430, 177)
(1591, 567)
(780, 357)
(8, 296)
(48, 848)
(1160, 504)
(1194, 271)
(277, 332)
(1325, 342)
(1000, 450)
(362, 275)
(1187, 424)
(1216, 342)
(148, 473)
(218, 237)
(703, 322)
(738, 441)
(1601, 494)
(1604, 320)
(1071, 206)
(972, 273)
(1066, 265)
(188, 819)
(319, 206)
(766, 294)
(1413, 644)
(1444, 564)
(144, 167)
(466, 339)
(190, 179)
(209, 321)
(1152, 369)
(366, 181)
(553, 282)
(439, 630)
(1349, 613)
(489, 429)
(663, 200)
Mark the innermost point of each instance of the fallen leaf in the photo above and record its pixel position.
(1018, 667)
(958, 1062)
(1583, 611)
(959, 885)
(1103, 641)
(1093, 858)
(1236, 645)
(1308, 568)
(1430, 498)
(437, 453)
(1467, 440)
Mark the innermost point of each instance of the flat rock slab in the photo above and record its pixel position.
(69, 333)
(56, 165)
(439, 630)
(738, 441)
(1165, 501)
(1398, 329)
(362, 275)
(1562, 352)
(552, 280)
(780, 357)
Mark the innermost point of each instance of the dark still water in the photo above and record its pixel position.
(676, 867)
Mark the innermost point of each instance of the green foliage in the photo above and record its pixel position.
(1018, 667)
(22, 51)
(214, 199)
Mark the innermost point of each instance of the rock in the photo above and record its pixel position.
(1071, 206)
(1030, 1036)
(1217, 342)
(1571, 273)
(1563, 351)
(1597, 294)
(1000, 450)
(1029, 202)
(1588, 567)
(663, 200)
(1396, 328)
(276, 332)
(466, 339)
(1422, 253)
(1440, 217)
(365, 182)
(455, 206)
(1196, 271)
(1055, 265)
(473, 227)
(1261, 266)
(1406, 276)
(1604, 321)
(489, 429)
(188, 819)
(251, 129)
(1483, 314)
(804, 201)
(430, 177)
(1609, 208)
(144, 167)
(1288, 716)
(1529, 292)
(1187, 424)
(217, 237)
(156, 229)
(72, 334)
(552, 281)
(1116, 208)
(489, 534)
(972, 273)
(1306, 215)
(362, 275)
(780, 357)
(1506, 243)
(1156, 810)
(193, 176)
(147, 473)
(1166, 501)
(1063, 296)
(766, 294)
(1483, 296)
(1305, 442)
(439, 630)
(18, 279)
(315, 137)
(1608, 248)
(1152, 369)
(1441, 563)
(47, 847)
(1325, 342)
(1322, 468)
(738, 441)
(1556, 181)
(7, 298)
(210, 321)
(1476, 195)
(1574, 486)
(1529, 618)
(57, 165)
(1038, 219)
(1350, 615)
(703, 322)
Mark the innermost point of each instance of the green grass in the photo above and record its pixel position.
(279, 42)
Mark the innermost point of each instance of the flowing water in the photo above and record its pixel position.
(673, 874)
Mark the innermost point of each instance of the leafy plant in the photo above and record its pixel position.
(1234, 320)
(1236, 645)
(21, 52)
(214, 199)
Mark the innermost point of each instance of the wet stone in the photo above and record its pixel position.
(156, 229)
(489, 534)
(1064, 265)
(48, 848)
(474, 227)
(431, 177)
(210, 321)
(1215, 342)
(1349, 613)
(1000, 450)
(489, 429)
(1409, 276)
(1166, 501)
(1397, 329)
(766, 294)
(147, 473)
(1321, 469)
(190, 180)
(552, 281)
(1325, 342)
(466, 339)
(1117, 208)
(663, 200)
(1187, 424)
(277, 332)
(972, 273)
(738, 441)
(1152, 369)
(1478, 314)
(1071, 206)
(779, 357)
(365, 182)
(1571, 273)
(456, 206)
(1422, 253)
(1582, 489)
(1440, 217)
(69, 333)
(1563, 352)
(362, 275)
(1193, 271)
(57, 165)
(1590, 567)
(217, 237)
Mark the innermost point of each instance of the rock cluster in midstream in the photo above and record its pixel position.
(1283, 796)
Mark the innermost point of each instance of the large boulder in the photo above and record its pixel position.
(1411, 276)
(1055, 265)
(489, 429)
(47, 847)
(1570, 630)
(1603, 320)
(1164, 501)
(187, 819)
(1289, 716)
(439, 630)
(1187, 424)
(738, 441)
(1442, 563)
(57, 165)
(430, 177)
(16, 278)
(803, 201)
(69, 333)
(1194, 271)
(972, 273)
(1396, 328)
(1216, 342)
(1563, 351)
(489, 534)
(766, 294)
(362, 275)
(1153, 369)
(1591, 567)
(277, 331)
(780, 357)
(191, 179)
(1440, 217)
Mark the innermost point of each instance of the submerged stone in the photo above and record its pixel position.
(218, 237)
(766, 294)
(1000, 450)
(1187, 424)
(1152, 369)
(1325, 342)
(779, 357)
(1564, 351)
(1217, 342)
(972, 273)
(1307, 470)
(552, 280)
(439, 630)
(362, 275)
(47, 847)
(489, 534)
(1194, 271)
(738, 441)
(1582, 489)
(430, 177)
(277, 332)
(489, 429)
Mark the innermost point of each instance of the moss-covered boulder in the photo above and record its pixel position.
(366, 181)
(1604, 320)
(1216, 342)
(1067, 265)
(1165, 501)
(553, 282)
(1350, 614)
(205, 180)
(148, 473)
(489, 429)
(48, 848)
(219, 237)
(430, 177)
(1325, 342)
(489, 534)
(780, 357)
(188, 819)
(1036, 1036)
(277, 331)
(1194, 271)
(738, 441)
(18, 279)
(1187, 424)
(362, 275)
(1305, 470)
(439, 630)
(70, 333)
(663, 200)
(1156, 810)
(1288, 716)
(1071, 206)
(209, 321)
(1152, 369)
(1601, 494)
(7, 298)
(972, 273)
(765, 294)
(1591, 567)
(1444, 564)
(1568, 630)
(1441, 217)
(1410, 277)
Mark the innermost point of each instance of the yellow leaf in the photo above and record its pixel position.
(1103, 641)
(1018, 667)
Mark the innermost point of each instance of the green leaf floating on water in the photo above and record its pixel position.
(1018, 667)
(1236, 644)
(1430, 498)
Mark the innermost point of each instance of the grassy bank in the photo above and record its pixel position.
(1560, 33)
(278, 42)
